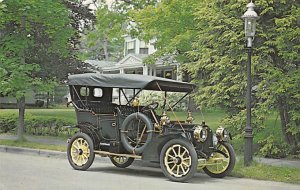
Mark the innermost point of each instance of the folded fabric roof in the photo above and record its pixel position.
(131, 81)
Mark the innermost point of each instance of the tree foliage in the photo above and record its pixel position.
(171, 23)
(220, 62)
(105, 41)
(209, 37)
(29, 36)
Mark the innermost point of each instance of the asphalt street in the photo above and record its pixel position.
(30, 172)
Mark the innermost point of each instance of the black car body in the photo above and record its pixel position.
(131, 131)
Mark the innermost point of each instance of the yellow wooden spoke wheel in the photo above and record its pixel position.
(80, 151)
(121, 161)
(221, 164)
(178, 160)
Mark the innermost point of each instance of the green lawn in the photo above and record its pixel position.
(212, 118)
(266, 172)
(66, 114)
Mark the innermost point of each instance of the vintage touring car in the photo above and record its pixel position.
(125, 130)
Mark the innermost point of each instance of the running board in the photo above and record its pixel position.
(105, 153)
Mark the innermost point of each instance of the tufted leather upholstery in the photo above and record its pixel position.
(97, 107)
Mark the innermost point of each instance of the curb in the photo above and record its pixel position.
(31, 151)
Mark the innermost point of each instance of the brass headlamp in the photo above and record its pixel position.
(200, 133)
(223, 134)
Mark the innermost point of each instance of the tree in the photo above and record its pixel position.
(171, 23)
(29, 32)
(208, 36)
(219, 57)
(105, 40)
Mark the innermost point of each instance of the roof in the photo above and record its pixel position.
(100, 63)
(132, 59)
(131, 81)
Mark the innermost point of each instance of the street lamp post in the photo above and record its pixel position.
(250, 17)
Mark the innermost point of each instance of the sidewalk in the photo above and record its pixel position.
(55, 141)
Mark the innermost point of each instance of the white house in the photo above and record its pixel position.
(135, 51)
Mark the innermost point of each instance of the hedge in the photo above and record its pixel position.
(35, 125)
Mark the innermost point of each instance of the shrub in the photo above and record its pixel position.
(8, 123)
(272, 148)
(35, 125)
(45, 125)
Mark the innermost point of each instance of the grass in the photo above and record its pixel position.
(267, 172)
(213, 118)
(66, 114)
(33, 145)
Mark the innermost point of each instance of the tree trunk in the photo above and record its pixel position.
(105, 48)
(21, 107)
(285, 121)
(48, 97)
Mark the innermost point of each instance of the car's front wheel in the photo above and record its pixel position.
(81, 151)
(223, 161)
(121, 161)
(178, 160)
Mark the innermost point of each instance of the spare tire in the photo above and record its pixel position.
(128, 122)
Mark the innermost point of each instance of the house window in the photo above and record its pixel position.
(159, 73)
(144, 48)
(130, 47)
(144, 51)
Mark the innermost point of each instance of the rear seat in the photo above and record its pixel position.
(97, 107)
(126, 110)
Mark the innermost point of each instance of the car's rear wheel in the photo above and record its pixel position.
(178, 160)
(121, 161)
(81, 151)
(223, 162)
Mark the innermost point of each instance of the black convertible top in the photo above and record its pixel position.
(131, 81)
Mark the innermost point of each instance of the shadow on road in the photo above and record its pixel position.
(142, 172)
(132, 171)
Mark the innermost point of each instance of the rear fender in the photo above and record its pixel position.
(91, 131)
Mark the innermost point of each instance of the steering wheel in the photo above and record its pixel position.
(151, 106)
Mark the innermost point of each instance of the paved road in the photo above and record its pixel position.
(22, 172)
